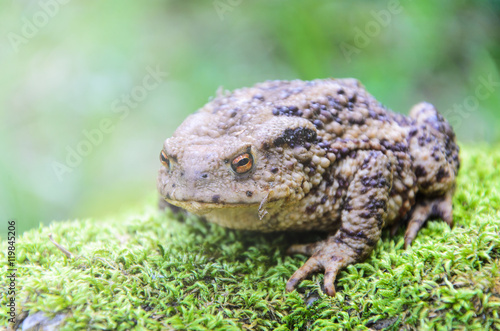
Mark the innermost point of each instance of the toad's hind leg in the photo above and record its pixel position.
(434, 151)
(363, 216)
(428, 208)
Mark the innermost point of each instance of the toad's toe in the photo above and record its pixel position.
(311, 266)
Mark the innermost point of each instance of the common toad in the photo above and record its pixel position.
(312, 155)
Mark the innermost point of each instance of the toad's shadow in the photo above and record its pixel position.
(268, 243)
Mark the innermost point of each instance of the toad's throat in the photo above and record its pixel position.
(243, 216)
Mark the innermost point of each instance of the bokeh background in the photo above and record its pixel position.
(90, 89)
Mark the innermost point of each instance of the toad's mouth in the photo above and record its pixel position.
(201, 207)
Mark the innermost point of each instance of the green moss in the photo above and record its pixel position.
(154, 271)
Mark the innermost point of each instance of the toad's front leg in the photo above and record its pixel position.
(362, 218)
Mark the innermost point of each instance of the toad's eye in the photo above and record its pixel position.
(164, 160)
(242, 163)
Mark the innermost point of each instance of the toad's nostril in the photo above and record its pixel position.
(205, 175)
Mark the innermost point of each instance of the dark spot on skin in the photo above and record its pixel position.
(374, 181)
(216, 198)
(365, 180)
(265, 145)
(327, 178)
(318, 124)
(335, 258)
(353, 234)
(287, 111)
(311, 209)
(296, 137)
(397, 147)
(421, 140)
(324, 199)
(274, 170)
(249, 193)
(278, 142)
(325, 145)
(173, 185)
(342, 182)
(380, 222)
(346, 202)
(377, 204)
(401, 163)
(353, 120)
(442, 174)
(385, 143)
(335, 104)
(182, 174)
(420, 171)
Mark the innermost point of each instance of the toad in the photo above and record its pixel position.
(312, 155)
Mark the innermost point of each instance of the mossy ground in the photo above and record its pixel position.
(157, 272)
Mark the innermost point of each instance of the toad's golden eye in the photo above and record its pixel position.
(164, 160)
(242, 163)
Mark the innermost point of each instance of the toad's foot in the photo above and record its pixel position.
(326, 255)
(429, 208)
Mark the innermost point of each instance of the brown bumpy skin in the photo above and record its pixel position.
(362, 220)
(318, 155)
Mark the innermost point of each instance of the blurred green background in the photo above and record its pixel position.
(71, 69)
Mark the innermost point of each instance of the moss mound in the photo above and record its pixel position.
(157, 272)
